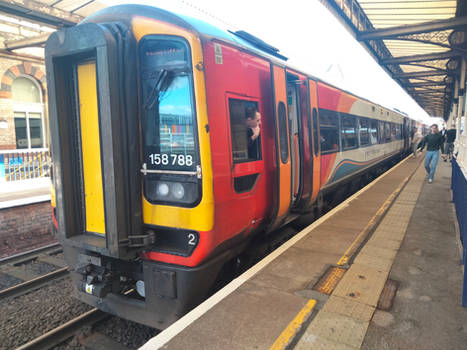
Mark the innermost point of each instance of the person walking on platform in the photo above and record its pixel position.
(434, 142)
(416, 138)
(449, 145)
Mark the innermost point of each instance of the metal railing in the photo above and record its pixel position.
(24, 164)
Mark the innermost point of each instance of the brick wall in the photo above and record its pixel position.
(25, 227)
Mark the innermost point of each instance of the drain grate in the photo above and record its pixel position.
(329, 280)
(387, 296)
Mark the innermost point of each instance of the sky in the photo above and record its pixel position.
(313, 39)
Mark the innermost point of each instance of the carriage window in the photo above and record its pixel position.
(245, 130)
(284, 144)
(364, 131)
(393, 132)
(329, 131)
(349, 132)
(315, 131)
(374, 132)
(381, 132)
(387, 132)
(399, 131)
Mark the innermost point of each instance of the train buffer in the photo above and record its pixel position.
(380, 271)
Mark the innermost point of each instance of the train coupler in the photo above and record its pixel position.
(97, 279)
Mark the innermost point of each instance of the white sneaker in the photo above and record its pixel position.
(430, 181)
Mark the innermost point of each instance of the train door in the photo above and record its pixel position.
(405, 133)
(293, 106)
(313, 89)
(283, 187)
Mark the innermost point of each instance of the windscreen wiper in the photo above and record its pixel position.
(156, 88)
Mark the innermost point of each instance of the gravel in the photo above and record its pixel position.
(130, 334)
(29, 316)
(38, 267)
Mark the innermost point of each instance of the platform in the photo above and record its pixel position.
(326, 288)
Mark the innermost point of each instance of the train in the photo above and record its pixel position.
(178, 146)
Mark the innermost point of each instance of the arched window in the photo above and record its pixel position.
(28, 113)
(25, 90)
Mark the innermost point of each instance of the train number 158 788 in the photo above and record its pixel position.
(171, 159)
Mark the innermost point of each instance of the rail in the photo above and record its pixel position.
(24, 164)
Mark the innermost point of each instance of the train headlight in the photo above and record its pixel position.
(162, 189)
(177, 190)
(166, 191)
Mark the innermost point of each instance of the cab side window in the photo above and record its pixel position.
(245, 130)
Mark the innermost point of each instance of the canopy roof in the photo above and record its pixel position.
(420, 43)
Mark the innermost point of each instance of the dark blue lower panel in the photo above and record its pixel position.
(459, 193)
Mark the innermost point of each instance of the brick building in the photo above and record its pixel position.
(23, 114)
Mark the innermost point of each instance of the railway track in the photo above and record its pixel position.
(64, 331)
(30, 254)
(47, 267)
(27, 286)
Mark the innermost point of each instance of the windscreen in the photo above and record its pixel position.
(168, 124)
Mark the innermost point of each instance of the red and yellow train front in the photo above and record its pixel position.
(178, 200)
(131, 144)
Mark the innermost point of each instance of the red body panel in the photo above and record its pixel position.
(239, 76)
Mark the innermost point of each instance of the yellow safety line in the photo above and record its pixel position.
(289, 332)
(345, 258)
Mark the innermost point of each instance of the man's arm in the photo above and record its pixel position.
(422, 144)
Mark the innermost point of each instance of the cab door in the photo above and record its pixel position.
(283, 185)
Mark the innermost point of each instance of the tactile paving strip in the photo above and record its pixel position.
(329, 280)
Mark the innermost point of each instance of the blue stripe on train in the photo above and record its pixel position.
(344, 168)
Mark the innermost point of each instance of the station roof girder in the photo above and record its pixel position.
(419, 43)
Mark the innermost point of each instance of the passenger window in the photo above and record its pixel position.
(349, 132)
(329, 131)
(245, 130)
(284, 145)
(399, 131)
(364, 131)
(315, 131)
(374, 132)
(387, 132)
(393, 132)
(381, 132)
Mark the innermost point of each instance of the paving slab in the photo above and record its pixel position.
(426, 312)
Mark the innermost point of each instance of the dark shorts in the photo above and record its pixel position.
(449, 147)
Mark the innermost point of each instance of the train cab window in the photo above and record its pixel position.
(168, 121)
(245, 130)
(374, 132)
(364, 131)
(349, 132)
(168, 113)
(329, 131)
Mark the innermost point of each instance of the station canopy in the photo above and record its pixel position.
(28, 23)
(420, 43)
